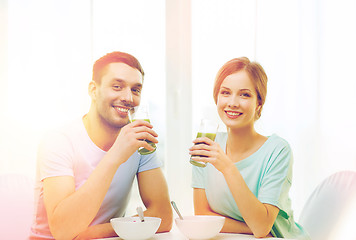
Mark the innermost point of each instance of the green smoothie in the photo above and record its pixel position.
(144, 151)
(208, 135)
(147, 120)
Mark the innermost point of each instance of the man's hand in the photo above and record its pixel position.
(131, 138)
(97, 231)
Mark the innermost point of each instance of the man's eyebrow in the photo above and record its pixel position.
(138, 85)
(119, 80)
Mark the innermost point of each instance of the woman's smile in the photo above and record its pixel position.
(232, 114)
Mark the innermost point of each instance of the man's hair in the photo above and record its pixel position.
(114, 57)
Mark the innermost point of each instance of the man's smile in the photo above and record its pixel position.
(122, 110)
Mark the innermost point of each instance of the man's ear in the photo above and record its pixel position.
(92, 88)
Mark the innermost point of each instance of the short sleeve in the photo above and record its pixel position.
(276, 180)
(148, 162)
(55, 156)
(198, 177)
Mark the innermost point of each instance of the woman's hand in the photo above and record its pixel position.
(206, 150)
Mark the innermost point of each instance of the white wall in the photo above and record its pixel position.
(48, 62)
(47, 48)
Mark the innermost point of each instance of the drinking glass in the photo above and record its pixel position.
(142, 112)
(207, 128)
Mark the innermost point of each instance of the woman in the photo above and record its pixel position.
(249, 175)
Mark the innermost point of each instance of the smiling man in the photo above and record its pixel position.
(86, 169)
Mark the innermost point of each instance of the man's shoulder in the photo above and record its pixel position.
(74, 125)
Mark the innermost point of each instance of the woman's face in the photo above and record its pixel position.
(237, 101)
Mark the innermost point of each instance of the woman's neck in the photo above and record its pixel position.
(241, 143)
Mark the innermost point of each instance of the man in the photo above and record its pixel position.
(85, 171)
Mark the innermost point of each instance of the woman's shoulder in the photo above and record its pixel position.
(277, 140)
(277, 153)
(277, 143)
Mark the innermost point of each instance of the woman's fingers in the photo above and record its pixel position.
(205, 140)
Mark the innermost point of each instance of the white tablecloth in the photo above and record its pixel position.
(175, 234)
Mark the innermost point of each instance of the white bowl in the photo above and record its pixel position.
(131, 228)
(200, 227)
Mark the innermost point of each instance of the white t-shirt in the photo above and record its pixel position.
(70, 152)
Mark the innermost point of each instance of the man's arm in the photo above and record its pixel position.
(154, 194)
(71, 211)
(97, 231)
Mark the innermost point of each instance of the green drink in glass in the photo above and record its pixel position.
(207, 129)
(141, 112)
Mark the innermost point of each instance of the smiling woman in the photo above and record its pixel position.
(248, 175)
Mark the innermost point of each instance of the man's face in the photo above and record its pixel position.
(119, 91)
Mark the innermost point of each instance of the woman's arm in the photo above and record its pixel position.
(259, 217)
(201, 207)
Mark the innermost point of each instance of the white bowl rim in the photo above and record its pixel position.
(198, 217)
(131, 219)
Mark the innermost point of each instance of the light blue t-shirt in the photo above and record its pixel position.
(267, 173)
(70, 152)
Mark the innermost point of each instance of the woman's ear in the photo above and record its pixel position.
(258, 111)
(258, 108)
(92, 90)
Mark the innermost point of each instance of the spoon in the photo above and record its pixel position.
(176, 209)
(140, 213)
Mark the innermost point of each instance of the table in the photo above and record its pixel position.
(175, 234)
